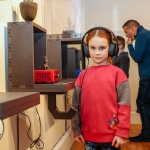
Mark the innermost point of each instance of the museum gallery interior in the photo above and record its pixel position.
(41, 57)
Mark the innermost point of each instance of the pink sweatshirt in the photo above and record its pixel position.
(105, 106)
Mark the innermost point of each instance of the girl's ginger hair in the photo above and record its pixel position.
(99, 33)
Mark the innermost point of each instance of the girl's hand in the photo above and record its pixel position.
(79, 138)
(119, 142)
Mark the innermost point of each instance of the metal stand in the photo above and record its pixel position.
(54, 110)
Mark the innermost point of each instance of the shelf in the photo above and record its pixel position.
(12, 103)
(60, 87)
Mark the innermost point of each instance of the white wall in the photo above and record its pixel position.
(57, 12)
(114, 13)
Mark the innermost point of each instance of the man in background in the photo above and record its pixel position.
(140, 53)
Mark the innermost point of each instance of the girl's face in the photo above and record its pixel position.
(98, 48)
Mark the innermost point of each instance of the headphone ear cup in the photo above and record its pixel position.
(86, 51)
(113, 51)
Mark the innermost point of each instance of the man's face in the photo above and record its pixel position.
(130, 32)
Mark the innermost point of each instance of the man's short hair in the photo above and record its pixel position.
(130, 23)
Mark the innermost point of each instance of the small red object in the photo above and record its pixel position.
(46, 76)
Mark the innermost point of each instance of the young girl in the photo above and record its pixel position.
(102, 99)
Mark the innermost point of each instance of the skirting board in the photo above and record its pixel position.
(65, 142)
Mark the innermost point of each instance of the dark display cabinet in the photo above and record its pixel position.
(71, 62)
(26, 52)
(62, 57)
(27, 47)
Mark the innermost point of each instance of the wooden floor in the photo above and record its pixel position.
(134, 130)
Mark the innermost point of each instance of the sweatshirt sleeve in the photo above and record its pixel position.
(124, 109)
(75, 121)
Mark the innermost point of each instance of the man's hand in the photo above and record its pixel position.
(119, 142)
(79, 138)
(129, 41)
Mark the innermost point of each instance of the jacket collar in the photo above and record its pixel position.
(140, 28)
